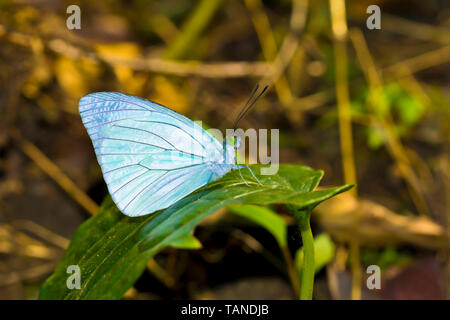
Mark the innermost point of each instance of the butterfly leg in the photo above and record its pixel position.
(253, 175)
(239, 169)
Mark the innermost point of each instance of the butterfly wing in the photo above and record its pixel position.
(150, 156)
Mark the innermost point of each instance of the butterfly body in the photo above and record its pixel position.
(150, 155)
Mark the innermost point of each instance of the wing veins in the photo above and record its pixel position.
(139, 129)
(150, 110)
(189, 166)
(175, 126)
(100, 125)
(145, 188)
(176, 186)
(109, 111)
(175, 148)
(139, 142)
(114, 100)
(127, 166)
(130, 102)
(129, 182)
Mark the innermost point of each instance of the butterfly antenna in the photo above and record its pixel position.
(255, 89)
(252, 99)
(253, 102)
(249, 104)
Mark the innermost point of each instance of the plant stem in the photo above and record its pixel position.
(306, 289)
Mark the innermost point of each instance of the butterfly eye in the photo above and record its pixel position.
(237, 144)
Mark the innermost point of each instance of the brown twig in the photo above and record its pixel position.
(183, 69)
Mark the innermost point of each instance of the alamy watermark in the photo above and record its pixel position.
(74, 280)
(374, 280)
(374, 20)
(74, 20)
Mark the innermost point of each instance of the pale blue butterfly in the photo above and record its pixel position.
(150, 155)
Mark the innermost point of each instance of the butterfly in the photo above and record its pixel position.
(150, 155)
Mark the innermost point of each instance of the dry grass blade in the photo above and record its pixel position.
(42, 232)
(266, 38)
(376, 98)
(54, 172)
(16, 242)
(339, 26)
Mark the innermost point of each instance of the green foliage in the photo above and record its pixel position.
(192, 28)
(384, 258)
(406, 110)
(264, 217)
(112, 249)
(323, 253)
(186, 241)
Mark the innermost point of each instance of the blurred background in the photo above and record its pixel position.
(370, 107)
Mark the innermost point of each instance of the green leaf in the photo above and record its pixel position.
(323, 253)
(264, 217)
(376, 137)
(186, 241)
(112, 249)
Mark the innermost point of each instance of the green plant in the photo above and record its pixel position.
(272, 222)
(112, 249)
(405, 109)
